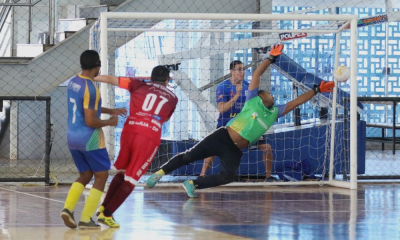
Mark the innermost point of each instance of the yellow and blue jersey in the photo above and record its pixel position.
(83, 94)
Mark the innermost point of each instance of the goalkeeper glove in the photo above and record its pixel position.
(275, 52)
(324, 87)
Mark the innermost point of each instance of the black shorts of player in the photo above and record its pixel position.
(220, 144)
(217, 143)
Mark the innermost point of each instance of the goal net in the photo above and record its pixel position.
(25, 139)
(314, 144)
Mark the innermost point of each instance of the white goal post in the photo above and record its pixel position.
(209, 37)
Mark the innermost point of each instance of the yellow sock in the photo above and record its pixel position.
(74, 194)
(101, 209)
(160, 172)
(91, 204)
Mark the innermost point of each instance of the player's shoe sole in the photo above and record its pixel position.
(68, 218)
(88, 225)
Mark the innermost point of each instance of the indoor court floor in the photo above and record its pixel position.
(273, 212)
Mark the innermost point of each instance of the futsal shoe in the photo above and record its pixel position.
(109, 221)
(153, 180)
(68, 218)
(88, 225)
(189, 187)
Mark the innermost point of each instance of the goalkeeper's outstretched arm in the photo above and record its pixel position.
(323, 87)
(274, 53)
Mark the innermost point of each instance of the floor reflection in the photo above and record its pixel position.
(301, 212)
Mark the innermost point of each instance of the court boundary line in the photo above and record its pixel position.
(32, 195)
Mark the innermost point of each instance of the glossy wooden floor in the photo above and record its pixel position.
(312, 212)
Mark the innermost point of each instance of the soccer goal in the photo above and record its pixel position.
(315, 144)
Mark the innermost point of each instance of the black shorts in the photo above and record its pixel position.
(218, 143)
(262, 140)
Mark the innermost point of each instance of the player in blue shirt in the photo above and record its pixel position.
(86, 140)
(231, 96)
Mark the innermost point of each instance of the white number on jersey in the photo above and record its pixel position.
(73, 109)
(149, 101)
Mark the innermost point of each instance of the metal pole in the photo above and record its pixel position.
(104, 69)
(29, 23)
(47, 147)
(51, 21)
(334, 108)
(13, 34)
(388, 5)
(394, 127)
(353, 105)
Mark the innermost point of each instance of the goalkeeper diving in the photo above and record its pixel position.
(256, 117)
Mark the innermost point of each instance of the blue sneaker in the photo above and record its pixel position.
(153, 180)
(189, 187)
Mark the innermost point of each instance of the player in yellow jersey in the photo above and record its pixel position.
(86, 140)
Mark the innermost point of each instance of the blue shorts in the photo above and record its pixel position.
(96, 160)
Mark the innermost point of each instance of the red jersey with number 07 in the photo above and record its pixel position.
(151, 105)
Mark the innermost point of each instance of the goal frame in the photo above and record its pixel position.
(351, 23)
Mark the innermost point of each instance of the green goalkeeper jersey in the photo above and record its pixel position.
(254, 119)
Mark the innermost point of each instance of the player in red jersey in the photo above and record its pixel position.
(151, 104)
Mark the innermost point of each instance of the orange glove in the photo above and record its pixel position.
(324, 87)
(275, 52)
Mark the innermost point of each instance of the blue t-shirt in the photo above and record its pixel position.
(225, 92)
(83, 94)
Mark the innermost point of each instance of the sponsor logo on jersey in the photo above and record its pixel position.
(148, 161)
(158, 118)
(162, 90)
(74, 86)
(155, 122)
(219, 96)
(239, 105)
(262, 124)
(142, 114)
(291, 36)
(141, 123)
(139, 172)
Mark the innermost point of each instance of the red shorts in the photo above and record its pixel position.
(136, 154)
